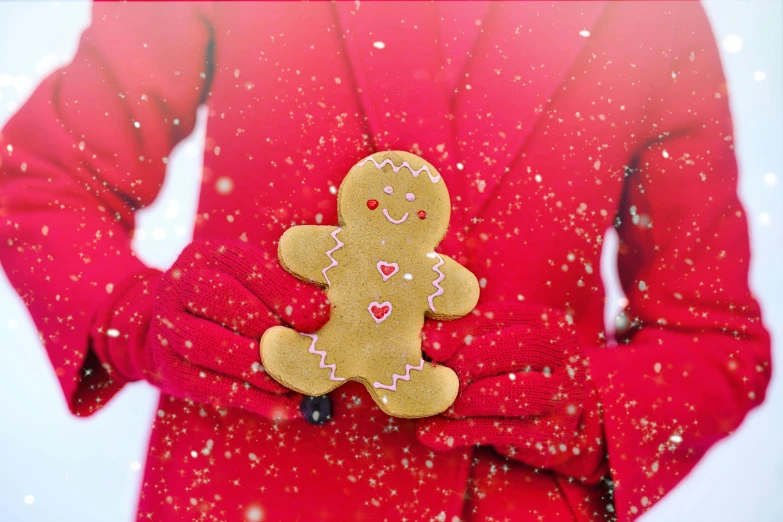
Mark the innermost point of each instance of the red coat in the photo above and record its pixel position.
(550, 123)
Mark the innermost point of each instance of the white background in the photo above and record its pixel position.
(56, 467)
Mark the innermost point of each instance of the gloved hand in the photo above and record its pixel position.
(582, 457)
(522, 387)
(205, 316)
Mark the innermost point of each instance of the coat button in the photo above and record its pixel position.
(316, 410)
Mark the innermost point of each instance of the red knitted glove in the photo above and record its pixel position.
(583, 457)
(208, 313)
(522, 387)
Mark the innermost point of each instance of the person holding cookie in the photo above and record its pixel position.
(392, 307)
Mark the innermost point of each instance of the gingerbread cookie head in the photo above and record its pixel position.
(399, 190)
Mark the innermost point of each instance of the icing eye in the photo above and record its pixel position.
(410, 196)
(388, 190)
(372, 204)
(421, 214)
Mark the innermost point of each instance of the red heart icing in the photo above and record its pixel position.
(372, 204)
(380, 311)
(387, 269)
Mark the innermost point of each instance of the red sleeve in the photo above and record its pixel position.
(86, 151)
(695, 356)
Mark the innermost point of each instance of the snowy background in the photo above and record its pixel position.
(56, 467)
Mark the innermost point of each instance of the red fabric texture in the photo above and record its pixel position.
(119, 334)
(522, 389)
(205, 316)
(521, 376)
(546, 139)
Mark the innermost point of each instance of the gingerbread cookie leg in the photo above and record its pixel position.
(299, 361)
(418, 390)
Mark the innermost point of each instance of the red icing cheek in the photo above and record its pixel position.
(372, 204)
(421, 214)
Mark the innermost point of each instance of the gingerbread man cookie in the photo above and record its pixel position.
(382, 276)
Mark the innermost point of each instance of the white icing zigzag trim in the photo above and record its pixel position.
(438, 289)
(405, 164)
(397, 376)
(322, 353)
(329, 255)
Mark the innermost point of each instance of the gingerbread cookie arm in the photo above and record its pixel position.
(306, 252)
(455, 290)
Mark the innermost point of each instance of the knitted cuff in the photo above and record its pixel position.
(119, 333)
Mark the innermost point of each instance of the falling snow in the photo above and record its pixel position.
(551, 126)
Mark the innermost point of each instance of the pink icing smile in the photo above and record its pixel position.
(395, 221)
